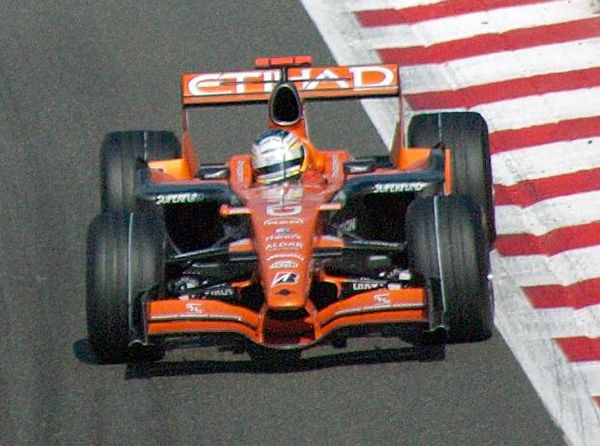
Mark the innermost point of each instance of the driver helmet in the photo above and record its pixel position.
(277, 155)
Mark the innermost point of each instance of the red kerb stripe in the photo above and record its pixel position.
(571, 129)
(577, 295)
(499, 91)
(529, 192)
(493, 43)
(580, 349)
(449, 8)
(551, 243)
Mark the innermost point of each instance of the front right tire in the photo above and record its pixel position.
(446, 242)
(466, 135)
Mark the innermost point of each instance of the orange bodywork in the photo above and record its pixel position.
(286, 219)
(311, 82)
(167, 317)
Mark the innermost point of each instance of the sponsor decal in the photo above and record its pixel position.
(310, 79)
(362, 284)
(360, 74)
(386, 188)
(286, 256)
(360, 168)
(325, 75)
(283, 245)
(284, 264)
(194, 307)
(180, 198)
(291, 236)
(366, 286)
(222, 291)
(285, 278)
(212, 83)
(283, 221)
(282, 230)
(283, 210)
(383, 299)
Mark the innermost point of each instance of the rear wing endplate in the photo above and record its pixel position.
(329, 82)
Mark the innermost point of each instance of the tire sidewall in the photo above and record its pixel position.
(446, 242)
(466, 135)
(125, 260)
(122, 155)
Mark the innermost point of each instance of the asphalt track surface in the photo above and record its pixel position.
(71, 71)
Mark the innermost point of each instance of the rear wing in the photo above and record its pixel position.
(329, 82)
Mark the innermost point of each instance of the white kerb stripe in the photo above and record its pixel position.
(493, 21)
(563, 392)
(511, 114)
(547, 215)
(590, 371)
(541, 109)
(546, 161)
(367, 5)
(568, 322)
(338, 27)
(496, 67)
(565, 268)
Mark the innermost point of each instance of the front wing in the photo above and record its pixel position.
(174, 318)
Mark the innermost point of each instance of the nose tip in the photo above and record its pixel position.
(285, 298)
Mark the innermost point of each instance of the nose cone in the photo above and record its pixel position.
(284, 297)
(283, 239)
(285, 255)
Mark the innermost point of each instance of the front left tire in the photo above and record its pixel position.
(125, 259)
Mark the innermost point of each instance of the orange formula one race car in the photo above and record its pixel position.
(291, 245)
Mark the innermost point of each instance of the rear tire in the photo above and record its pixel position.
(125, 255)
(466, 135)
(446, 242)
(121, 155)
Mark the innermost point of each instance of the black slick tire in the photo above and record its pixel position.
(466, 135)
(446, 242)
(121, 155)
(125, 258)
